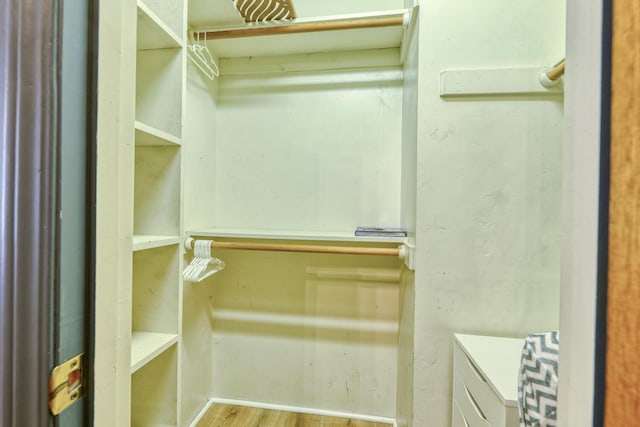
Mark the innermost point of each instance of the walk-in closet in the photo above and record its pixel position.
(273, 135)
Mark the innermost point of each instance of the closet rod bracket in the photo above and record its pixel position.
(188, 243)
(551, 76)
(407, 254)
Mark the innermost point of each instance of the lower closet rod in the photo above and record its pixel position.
(397, 252)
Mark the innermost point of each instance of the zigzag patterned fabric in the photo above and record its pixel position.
(538, 380)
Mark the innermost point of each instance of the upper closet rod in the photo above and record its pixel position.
(356, 250)
(299, 26)
(552, 76)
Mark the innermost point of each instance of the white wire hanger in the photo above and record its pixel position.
(203, 264)
(200, 55)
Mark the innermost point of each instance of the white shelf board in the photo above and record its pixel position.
(491, 82)
(153, 33)
(145, 346)
(336, 236)
(314, 42)
(148, 135)
(142, 242)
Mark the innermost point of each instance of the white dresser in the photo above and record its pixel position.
(485, 381)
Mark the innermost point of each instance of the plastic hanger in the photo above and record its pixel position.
(200, 55)
(203, 264)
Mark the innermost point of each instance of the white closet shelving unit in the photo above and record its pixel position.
(298, 141)
(344, 236)
(157, 364)
(241, 53)
(157, 216)
(227, 44)
(302, 138)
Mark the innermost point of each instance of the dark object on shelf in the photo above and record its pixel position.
(381, 232)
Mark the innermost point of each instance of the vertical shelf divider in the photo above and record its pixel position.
(156, 328)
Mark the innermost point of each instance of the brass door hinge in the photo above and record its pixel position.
(65, 384)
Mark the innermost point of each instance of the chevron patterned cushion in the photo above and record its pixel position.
(538, 380)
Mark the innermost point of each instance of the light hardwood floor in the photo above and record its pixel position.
(240, 416)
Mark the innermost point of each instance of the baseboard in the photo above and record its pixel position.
(287, 408)
(201, 413)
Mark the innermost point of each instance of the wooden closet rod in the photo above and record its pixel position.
(276, 247)
(294, 27)
(551, 76)
(556, 72)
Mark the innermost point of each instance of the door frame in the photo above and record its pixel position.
(600, 292)
(580, 207)
(622, 313)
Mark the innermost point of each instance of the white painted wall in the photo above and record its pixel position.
(317, 151)
(580, 212)
(200, 138)
(308, 331)
(489, 178)
(310, 8)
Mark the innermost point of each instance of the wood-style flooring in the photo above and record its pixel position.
(220, 415)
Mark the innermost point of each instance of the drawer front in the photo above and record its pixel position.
(472, 415)
(513, 417)
(479, 389)
(458, 419)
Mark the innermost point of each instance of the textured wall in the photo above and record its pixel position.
(489, 179)
(315, 151)
(314, 331)
(307, 8)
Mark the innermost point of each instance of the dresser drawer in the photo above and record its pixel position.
(458, 418)
(479, 389)
(471, 414)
